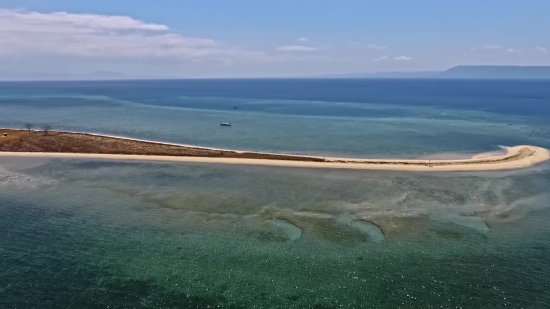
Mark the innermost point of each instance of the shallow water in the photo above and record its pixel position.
(93, 233)
(102, 234)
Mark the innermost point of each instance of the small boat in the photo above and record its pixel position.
(235, 107)
(225, 124)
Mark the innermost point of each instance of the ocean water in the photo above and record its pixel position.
(328, 117)
(112, 234)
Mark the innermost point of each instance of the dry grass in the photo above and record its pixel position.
(65, 142)
(12, 135)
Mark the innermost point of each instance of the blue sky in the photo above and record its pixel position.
(246, 38)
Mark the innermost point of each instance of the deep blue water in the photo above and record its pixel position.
(103, 234)
(515, 97)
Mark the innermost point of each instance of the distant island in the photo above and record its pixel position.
(37, 76)
(75, 145)
(505, 72)
(457, 72)
(462, 72)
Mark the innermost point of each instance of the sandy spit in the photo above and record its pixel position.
(516, 157)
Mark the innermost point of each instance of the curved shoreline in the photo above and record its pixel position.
(514, 158)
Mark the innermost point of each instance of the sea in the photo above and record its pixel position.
(115, 234)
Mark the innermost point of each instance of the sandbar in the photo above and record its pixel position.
(75, 145)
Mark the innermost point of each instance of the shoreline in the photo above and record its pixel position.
(516, 157)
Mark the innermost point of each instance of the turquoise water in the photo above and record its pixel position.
(102, 234)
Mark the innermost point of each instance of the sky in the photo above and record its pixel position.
(251, 38)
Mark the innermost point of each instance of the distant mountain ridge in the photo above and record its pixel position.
(416, 74)
(33, 76)
(462, 72)
(457, 72)
(498, 72)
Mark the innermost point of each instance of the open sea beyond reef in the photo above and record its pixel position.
(115, 234)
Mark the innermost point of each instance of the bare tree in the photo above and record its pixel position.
(47, 129)
(28, 126)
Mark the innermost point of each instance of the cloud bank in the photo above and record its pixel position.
(296, 48)
(402, 58)
(91, 35)
(374, 46)
(380, 59)
(493, 46)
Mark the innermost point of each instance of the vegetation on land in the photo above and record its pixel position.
(66, 142)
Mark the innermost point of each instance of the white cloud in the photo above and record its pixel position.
(303, 39)
(374, 46)
(541, 49)
(90, 35)
(62, 22)
(510, 50)
(402, 58)
(493, 46)
(296, 48)
(380, 59)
